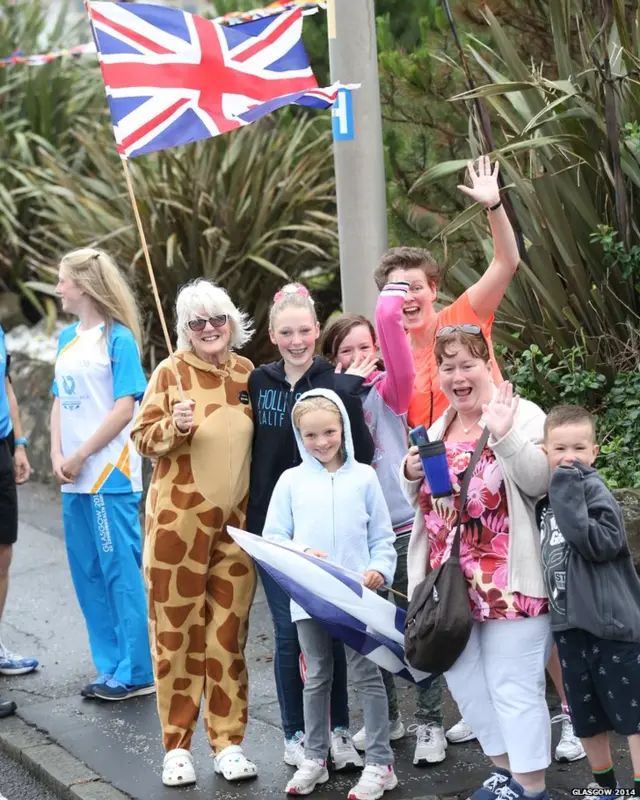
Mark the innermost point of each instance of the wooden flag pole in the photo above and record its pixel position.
(152, 277)
(331, 18)
(143, 239)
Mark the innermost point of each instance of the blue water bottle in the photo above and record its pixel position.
(434, 462)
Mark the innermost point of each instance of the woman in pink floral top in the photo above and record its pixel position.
(498, 681)
(484, 546)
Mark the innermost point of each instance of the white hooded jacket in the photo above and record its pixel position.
(342, 514)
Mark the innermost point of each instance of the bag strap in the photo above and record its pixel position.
(468, 474)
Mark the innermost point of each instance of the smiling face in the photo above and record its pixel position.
(566, 444)
(71, 295)
(357, 343)
(295, 333)
(418, 305)
(465, 379)
(211, 344)
(321, 434)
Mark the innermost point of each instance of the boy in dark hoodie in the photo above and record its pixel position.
(594, 594)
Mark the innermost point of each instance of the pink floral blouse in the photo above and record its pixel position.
(484, 543)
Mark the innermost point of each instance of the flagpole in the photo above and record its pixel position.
(152, 277)
(145, 249)
(358, 153)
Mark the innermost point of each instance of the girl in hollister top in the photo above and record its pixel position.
(273, 390)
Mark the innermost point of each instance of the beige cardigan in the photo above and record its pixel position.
(526, 478)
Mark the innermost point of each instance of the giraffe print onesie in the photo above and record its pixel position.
(201, 584)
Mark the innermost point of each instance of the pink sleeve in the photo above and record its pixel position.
(396, 387)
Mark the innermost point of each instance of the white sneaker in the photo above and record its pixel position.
(569, 747)
(308, 776)
(343, 753)
(374, 782)
(431, 744)
(294, 750)
(396, 731)
(460, 732)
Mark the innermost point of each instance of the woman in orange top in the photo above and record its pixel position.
(476, 306)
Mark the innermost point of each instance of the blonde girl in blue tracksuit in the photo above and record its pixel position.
(332, 507)
(97, 388)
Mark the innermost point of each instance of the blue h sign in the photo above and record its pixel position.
(342, 113)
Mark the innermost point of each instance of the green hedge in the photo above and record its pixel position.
(569, 377)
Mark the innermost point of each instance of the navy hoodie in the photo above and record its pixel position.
(274, 444)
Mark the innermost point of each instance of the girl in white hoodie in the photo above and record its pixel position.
(351, 527)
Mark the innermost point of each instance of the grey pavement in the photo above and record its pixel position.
(16, 783)
(118, 745)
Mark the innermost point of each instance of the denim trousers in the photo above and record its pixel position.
(318, 654)
(428, 701)
(286, 664)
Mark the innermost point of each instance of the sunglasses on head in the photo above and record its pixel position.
(199, 324)
(467, 328)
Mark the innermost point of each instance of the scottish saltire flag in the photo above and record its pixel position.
(338, 602)
(173, 77)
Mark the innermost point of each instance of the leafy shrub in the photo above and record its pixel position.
(567, 142)
(570, 377)
(39, 108)
(251, 210)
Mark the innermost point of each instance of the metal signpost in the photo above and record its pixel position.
(358, 151)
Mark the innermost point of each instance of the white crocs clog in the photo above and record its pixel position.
(178, 769)
(234, 765)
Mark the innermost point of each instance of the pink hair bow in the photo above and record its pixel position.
(292, 288)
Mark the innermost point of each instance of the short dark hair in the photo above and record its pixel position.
(475, 343)
(407, 258)
(568, 414)
(337, 330)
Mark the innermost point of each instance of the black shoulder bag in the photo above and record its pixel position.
(439, 618)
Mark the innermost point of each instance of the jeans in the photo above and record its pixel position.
(316, 646)
(286, 665)
(428, 701)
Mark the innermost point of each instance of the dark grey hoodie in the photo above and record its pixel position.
(592, 584)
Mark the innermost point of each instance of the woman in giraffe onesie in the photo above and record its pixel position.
(201, 584)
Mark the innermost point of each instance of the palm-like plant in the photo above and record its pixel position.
(38, 107)
(250, 210)
(571, 155)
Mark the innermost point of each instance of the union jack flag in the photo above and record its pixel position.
(172, 77)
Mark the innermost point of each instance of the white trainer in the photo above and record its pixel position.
(460, 732)
(396, 731)
(294, 750)
(569, 747)
(374, 782)
(431, 744)
(308, 776)
(343, 754)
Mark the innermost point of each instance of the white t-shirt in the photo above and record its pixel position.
(90, 375)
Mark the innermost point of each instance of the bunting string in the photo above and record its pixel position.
(45, 58)
(232, 18)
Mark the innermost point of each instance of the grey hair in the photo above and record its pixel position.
(202, 295)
